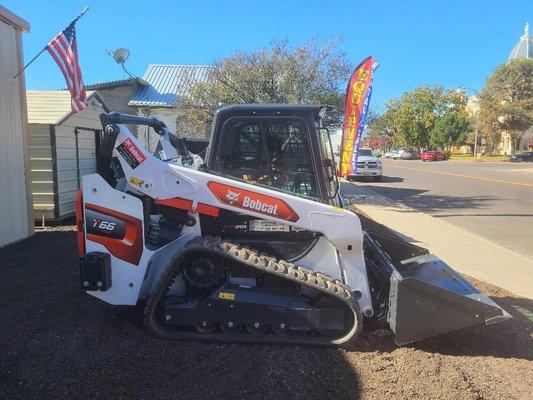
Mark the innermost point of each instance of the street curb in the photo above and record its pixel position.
(453, 226)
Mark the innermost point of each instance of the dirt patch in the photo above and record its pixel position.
(57, 342)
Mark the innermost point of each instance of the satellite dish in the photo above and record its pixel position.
(121, 55)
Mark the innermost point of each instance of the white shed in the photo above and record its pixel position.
(15, 198)
(63, 147)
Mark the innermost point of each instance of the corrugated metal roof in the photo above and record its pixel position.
(112, 84)
(49, 106)
(167, 83)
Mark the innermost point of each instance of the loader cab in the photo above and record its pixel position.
(280, 146)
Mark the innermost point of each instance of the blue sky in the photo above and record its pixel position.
(455, 43)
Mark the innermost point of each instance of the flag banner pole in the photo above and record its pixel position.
(358, 93)
(11, 80)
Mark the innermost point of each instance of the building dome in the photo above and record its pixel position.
(524, 47)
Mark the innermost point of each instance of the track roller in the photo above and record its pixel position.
(256, 328)
(281, 329)
(230, 327)
(206, 327)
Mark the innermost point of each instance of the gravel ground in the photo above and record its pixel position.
(56, 342)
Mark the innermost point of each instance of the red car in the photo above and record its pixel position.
(432, 156)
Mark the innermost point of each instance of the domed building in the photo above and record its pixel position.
(524, 47)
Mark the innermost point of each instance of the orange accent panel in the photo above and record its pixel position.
(252, 201)
(183, 204)
(79, 222)
(130, 248)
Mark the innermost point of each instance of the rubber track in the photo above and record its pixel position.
(253, 259)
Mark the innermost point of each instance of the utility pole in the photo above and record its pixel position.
(475, 134)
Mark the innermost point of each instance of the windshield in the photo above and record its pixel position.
(269, 153)
(365, 153)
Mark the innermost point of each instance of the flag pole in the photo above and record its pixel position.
(11, 80)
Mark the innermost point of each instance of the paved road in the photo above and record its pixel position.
(493, 200)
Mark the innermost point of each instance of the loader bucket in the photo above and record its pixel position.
(428, 298)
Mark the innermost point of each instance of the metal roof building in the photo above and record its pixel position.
(167, 83)
(166, 86)
(117, 94)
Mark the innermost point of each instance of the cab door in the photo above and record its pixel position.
(271, 152)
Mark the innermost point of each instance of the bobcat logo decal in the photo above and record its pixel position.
(232, 197)
(267, 204)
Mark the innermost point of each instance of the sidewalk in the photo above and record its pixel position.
(465, 252)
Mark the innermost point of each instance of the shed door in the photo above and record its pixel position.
(76, 156)
(86, 152)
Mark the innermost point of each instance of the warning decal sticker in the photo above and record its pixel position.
(131, 153)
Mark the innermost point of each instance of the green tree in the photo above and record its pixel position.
(314, 72)
(411, 118)
(507, 102)
(451, 129)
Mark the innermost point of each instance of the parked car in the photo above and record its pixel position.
(368, 165)
(432, 155)
(523, 156)
(389, 153)
(395, 154)
(408, 154)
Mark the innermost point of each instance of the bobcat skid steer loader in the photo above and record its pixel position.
(253, 244)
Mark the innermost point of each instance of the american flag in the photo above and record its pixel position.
(64, 51)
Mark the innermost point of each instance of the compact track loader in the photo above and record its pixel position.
(251, 242)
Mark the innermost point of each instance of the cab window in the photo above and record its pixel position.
(271, 153)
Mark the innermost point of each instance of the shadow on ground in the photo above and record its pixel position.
(416, 199)
(485, 215)
(384, 179)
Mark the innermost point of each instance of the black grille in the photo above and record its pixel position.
(365, 164)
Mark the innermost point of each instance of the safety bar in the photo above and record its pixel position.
(119, 118)
(176, 147)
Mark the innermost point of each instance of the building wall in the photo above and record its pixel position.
(177, 123)
(117, 98)
(146, 135)
(506, 145)
(15, 204)
(43, 155)
(41, 168)
(524, 142)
